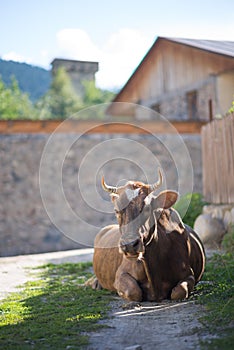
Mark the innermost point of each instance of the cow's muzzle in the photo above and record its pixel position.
(131, 249)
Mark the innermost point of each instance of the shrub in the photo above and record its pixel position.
(189, 207)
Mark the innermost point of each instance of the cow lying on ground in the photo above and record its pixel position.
(150, 255)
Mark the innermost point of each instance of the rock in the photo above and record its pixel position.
(210, 230)
(217, 213)
(227, 220)
(207, 209)
(232, 214)
(217, 210)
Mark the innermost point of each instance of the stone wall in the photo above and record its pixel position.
(51, 197)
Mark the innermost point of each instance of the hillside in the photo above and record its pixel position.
(33, 80)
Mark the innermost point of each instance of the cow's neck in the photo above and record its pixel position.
(154, 258)
(160, 245)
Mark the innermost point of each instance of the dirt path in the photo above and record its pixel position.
(146, 326)
(15, 270)
(150, 326)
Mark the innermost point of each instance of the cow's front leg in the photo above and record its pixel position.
(93, 283)
(127, 287)
(183, 289)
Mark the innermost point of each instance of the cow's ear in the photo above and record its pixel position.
(165, 199)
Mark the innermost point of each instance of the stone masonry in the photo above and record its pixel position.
(51, 197)
(78, 72)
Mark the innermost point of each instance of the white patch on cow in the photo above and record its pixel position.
(140, 256)
(131, 194)
(148, 199)
(184, 285)
(147, 225)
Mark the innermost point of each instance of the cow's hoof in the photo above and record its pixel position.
(131, 296)
(131, 305)
(96, 285)
(93, 283)
(180, 292)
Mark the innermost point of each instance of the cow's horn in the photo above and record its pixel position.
(110, 189)
(157, 184)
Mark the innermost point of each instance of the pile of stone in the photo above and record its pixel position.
(213, 223)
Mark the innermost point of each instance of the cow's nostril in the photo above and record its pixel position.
(130, 247)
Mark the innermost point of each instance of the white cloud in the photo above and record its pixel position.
(117, 58)
(124, 49)
(121, 55)
(204, 30)
(75, 43)
(13, 56)
(44, 53)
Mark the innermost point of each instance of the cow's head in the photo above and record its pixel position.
(136, 209)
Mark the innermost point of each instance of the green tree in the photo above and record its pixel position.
(61, 101)
(94, 95)
(14, 104)
(231, 110)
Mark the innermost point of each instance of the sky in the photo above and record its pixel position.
(117, 34)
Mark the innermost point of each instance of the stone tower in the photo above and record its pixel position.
(78, 71)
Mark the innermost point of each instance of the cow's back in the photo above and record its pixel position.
(197, 256)
(107, 258)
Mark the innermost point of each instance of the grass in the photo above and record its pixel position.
(216, 293)
(189, 206)
(55, 311)
(228, 240)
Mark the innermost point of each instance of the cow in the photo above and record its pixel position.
(151, 255)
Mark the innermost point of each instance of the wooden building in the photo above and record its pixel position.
(182, 79)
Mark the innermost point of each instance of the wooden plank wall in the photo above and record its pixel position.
(218, 160)
(88, 127)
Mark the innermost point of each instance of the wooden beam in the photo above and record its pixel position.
(91, 126)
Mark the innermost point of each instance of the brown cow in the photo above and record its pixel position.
(151, 255)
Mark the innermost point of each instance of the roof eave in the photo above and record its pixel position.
(197, 47)
(158, 39)
(136, 70)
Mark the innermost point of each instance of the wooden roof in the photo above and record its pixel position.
(219, 47)
(224, 48)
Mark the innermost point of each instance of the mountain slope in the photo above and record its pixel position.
(33, 80)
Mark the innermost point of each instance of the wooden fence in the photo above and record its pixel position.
(92, 126)
(218, 160)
